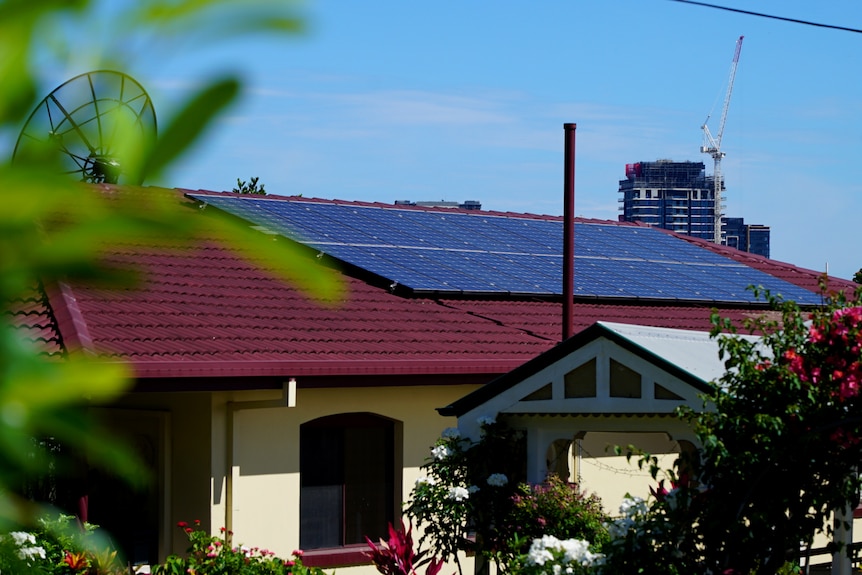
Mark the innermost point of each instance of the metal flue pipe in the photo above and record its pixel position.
(569, 230)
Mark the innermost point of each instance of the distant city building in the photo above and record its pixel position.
(752, 238)
(467, 205)
(680, 197)
(676, 196)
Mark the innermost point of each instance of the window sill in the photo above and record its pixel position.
(337, 556)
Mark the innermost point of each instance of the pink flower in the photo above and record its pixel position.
(843, 438)
(298, 552)
(795, 364)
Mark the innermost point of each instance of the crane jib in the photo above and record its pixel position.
(712, 145)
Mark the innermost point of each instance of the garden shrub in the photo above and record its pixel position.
(59, 545)
(556, 508)
(473, 495)
(214, 555)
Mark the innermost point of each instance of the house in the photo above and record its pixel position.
(300, 425)
(615, 384)
(610, 384)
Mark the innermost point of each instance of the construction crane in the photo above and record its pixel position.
(712, 145)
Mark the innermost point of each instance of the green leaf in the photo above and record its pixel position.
(277, 256)
(189, 124)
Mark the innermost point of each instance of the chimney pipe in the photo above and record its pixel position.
(569, 231)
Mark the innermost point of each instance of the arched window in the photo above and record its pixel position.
(348, 479)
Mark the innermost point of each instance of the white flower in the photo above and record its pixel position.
(632, 506)
(618, 528)
(426, 481)
(458, 494)
(539, 553)
(574, 550)
(578, 551)
(22, 537)
(440, 452)
(563, 553)
(538, 556)
(548, 542)
(28, 553)
(473, 488)
(451, 433)
(486, 420)
(497, 480)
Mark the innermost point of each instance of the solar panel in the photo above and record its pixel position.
(477, 252)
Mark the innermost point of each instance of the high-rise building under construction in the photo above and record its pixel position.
(680, 197)
(676, 196)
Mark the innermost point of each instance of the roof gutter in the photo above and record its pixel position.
(207, 368)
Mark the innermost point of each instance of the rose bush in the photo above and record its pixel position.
(779, 449)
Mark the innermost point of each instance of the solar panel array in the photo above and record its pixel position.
(474, 252)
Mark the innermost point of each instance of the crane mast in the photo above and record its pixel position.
(712, 145)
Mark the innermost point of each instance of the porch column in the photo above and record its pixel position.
(542, 444)
(843, 525)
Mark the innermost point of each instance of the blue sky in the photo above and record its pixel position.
(390, 100)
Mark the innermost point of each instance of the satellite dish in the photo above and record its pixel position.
(95, 122)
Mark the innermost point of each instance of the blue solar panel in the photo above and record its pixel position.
(443, 251)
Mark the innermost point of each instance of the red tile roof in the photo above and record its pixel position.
(203, 313)
(808, 279)
(33, 321)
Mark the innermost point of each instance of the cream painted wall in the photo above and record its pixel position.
(266, 460)
(266, 471)
(611, 476)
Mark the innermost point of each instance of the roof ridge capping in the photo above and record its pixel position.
(413, 208)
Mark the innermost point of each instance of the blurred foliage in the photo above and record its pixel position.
(54, 230)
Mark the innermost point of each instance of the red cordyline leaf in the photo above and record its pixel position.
(396, 556)
(434, 566)
(381, 559)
